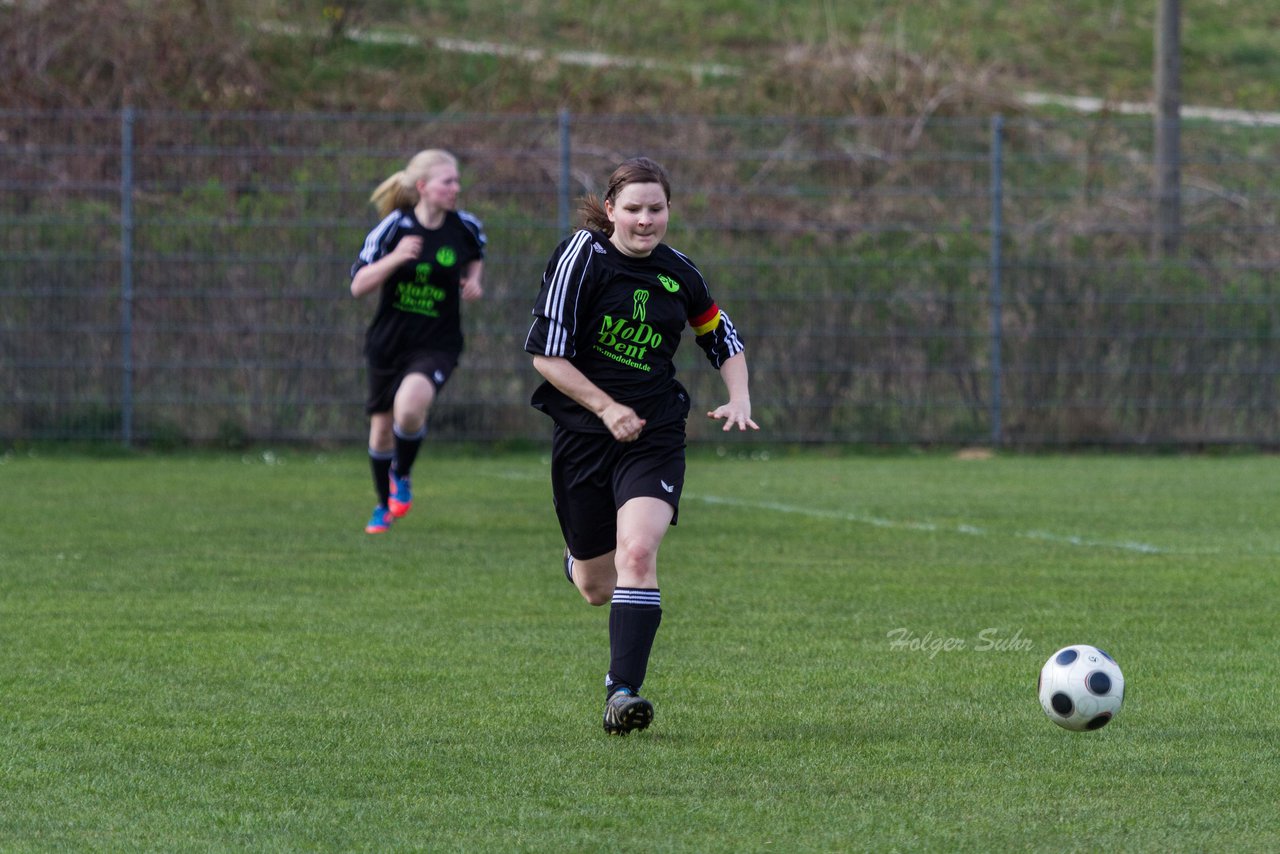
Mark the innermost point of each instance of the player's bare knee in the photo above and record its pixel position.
(637, 557)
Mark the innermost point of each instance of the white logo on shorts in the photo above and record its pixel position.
(665, 486)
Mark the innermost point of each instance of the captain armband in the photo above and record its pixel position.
(707, 321)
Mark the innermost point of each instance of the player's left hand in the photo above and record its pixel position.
(734, 413)
(471, 289)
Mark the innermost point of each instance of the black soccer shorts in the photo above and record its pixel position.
(385, 378)
(593, 474)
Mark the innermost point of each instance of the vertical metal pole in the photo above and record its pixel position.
(997, 262)
(126, 275)
(1167, 155)
(565, 150)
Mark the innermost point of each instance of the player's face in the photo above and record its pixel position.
(639, 215)
(441, 187)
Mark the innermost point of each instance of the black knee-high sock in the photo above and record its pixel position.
(407, 446)
(633, 623)
(380, 465)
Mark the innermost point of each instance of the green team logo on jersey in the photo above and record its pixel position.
(669, 283)
(640, 297)
(626, 341)
(446, 256)
(420, 296)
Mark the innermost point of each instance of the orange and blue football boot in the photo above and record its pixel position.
(380, 521)
(401, 496)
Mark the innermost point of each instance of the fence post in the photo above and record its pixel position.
(1168, 130)
(565, 165)
(996, 261)
(126, 275)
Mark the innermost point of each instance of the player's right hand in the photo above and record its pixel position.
(408, 249)
(623, 422)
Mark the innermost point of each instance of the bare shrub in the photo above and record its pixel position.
(107, 54)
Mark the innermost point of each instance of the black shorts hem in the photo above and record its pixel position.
(385, 377)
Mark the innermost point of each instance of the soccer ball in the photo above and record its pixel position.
(1081, 687)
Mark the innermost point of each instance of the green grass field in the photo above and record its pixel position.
(207, 653)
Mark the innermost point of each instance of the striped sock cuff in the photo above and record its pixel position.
(400, 434)
(636, 596)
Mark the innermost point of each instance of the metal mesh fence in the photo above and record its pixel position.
(175, 278)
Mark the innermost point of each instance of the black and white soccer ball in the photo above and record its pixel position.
(1081, 687)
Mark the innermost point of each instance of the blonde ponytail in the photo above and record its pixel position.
(394, 193)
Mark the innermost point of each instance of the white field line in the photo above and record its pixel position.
(961, 528)
(931, 527)
(595, 59)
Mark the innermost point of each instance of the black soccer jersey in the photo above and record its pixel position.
(618, 319)
(419, 305)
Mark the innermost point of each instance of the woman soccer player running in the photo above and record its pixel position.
(422, 259)
(607, 323)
